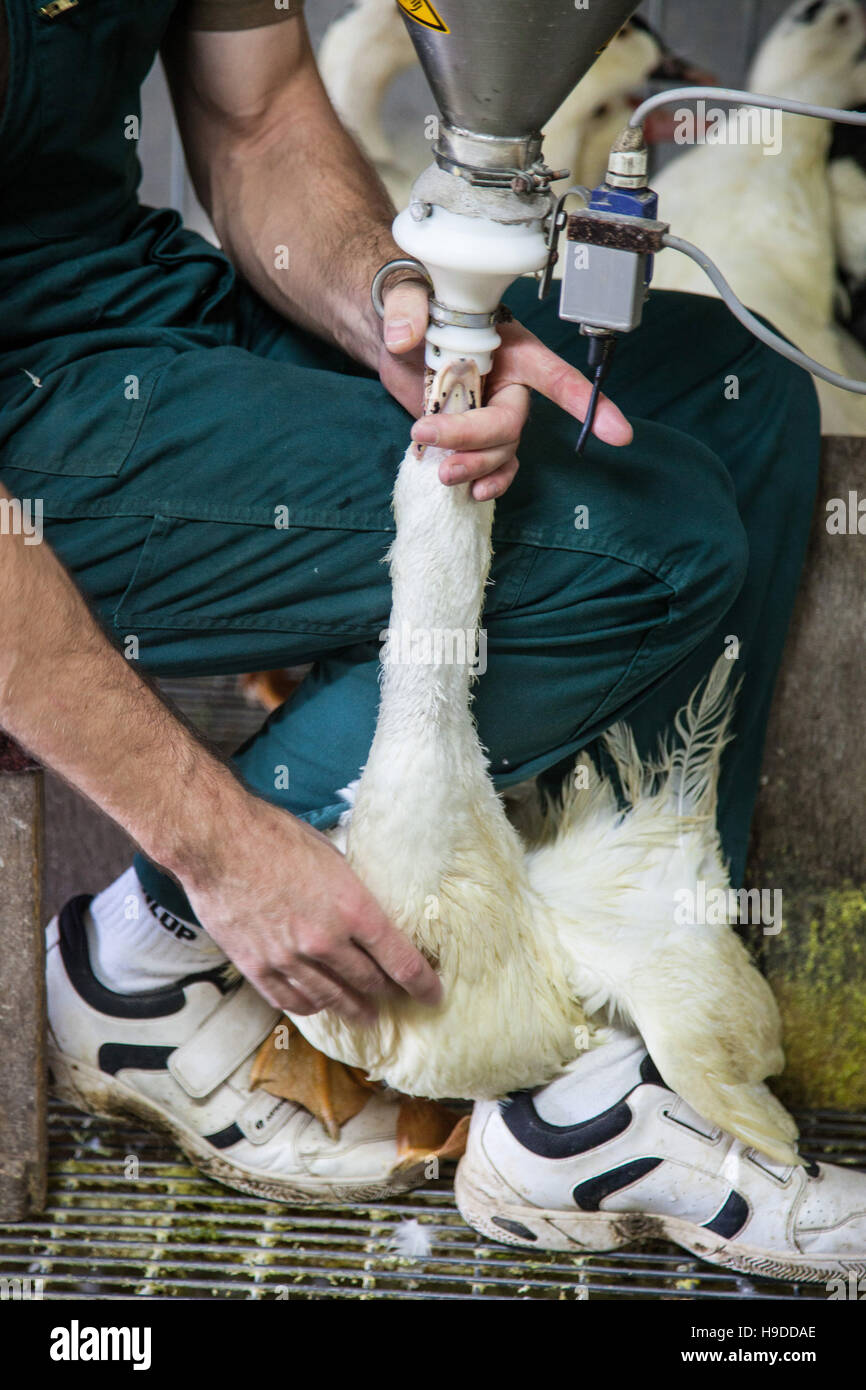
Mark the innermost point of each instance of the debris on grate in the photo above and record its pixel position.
(127, 1217)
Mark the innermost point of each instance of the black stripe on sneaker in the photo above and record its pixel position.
(561, 1141)
(516, 1228)
(224, 1138)
(113, 1057)
(590, 1195)
(731, 1218)
(650, 1074)
(146, 1003)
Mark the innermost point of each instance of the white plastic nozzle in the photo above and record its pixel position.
(471, 261)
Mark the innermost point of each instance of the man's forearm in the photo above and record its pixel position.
(297, 207)
(73, 700)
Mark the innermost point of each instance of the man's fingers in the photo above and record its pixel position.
(325, 991)
(524, 358)
(463, 468)
(406, 313)
(352, 965)
(400, 960)
(488, 428)
(278, 992)
(495, 483)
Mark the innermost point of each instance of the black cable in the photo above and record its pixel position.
(601, 348)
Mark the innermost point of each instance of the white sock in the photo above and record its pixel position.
(135, 944)
(596, 1081)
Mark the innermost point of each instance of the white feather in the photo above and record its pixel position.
(411, 1240)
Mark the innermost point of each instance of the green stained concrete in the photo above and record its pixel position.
(817, 969)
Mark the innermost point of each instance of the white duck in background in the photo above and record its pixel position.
(767, 220)
(583, 908)
(365, 50)
(360, 55)
(579, 135)
(847, 172)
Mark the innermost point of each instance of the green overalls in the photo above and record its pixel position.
(167, 418)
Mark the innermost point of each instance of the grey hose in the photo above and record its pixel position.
(754, 325)
(731, 94)
(710, 269)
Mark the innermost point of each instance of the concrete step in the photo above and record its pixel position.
(809, 837)
(22, 991)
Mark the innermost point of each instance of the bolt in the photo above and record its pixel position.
(418, 210)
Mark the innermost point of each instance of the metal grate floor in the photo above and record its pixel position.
(127, 1217)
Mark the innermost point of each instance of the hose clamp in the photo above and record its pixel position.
(440, 314)
(457, 318)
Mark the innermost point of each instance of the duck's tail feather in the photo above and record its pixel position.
(687, 765)
(625, 888)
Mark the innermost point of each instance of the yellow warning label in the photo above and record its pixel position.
(423, 13)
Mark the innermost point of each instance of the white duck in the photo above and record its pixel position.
(583, 909)
(768, 220)
(360, 55)
(847, 173)
(579, 135)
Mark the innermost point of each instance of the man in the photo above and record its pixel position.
(172, 407)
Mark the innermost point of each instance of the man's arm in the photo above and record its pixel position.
(275, 168)
(276, 895)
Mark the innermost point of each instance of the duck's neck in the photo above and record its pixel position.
(417, 805)
(439, 565)
(425, 793)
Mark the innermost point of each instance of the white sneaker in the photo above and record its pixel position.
(648, 1167)
(179, 1058)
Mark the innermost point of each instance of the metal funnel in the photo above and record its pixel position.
(500, 68)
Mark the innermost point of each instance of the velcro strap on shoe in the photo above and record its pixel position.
(235, 1028)
(263, 1116)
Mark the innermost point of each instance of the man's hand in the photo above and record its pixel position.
(273, 166)
(484, 441)
(277, 896)
(288, 910)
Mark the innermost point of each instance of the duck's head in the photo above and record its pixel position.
(666, 66)
(812, 53)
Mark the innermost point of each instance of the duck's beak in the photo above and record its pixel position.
(456, 387)
(685, 73)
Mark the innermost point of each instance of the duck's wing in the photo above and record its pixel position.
(629, 889)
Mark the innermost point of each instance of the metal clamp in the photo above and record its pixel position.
(443, 317)
(440, 314)
(537, 178)
(557, 222)
(399, 263)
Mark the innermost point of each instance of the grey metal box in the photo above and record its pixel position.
(602, 286)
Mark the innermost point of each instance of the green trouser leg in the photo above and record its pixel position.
(760, 417)
(694, 534)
